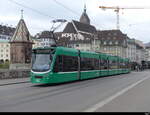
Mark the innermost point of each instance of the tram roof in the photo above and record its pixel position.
(74, 52)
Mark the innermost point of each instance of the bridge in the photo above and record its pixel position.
(121, 93)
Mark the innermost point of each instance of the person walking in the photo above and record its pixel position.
(137, 68)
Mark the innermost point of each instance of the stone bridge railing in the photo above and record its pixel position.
(11, 74)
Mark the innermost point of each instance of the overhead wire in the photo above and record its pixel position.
(34, 10)
(74, 12)
(43, 14)
(70, 10)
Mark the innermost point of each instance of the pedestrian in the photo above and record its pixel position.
(137, 68)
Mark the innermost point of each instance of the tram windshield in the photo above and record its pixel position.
(41, 61)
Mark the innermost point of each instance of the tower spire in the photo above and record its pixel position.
(84, 17)
(22, 14)
(84, 8)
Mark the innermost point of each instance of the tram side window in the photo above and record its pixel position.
(70, 63)
(89, 64)
(122, 65)
(66, 63)
(104, 64)
(113, 64)
(126, 65)
(119, 65)
(86, 64)
(96, 64)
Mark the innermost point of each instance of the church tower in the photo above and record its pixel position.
(84, 17)
(21, 47)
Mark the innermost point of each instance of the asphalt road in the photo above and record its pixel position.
(125, 93)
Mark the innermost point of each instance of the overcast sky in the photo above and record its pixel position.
(38, 14)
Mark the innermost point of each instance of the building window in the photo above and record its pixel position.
(115, 33)
(109, 34)
(114, 38)
(6, 60)
(77, 45)
(116, 42)
(1, 61)
(108, 38)
(110, 43)
(99, 42)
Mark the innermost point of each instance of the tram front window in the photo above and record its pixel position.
(41, 62)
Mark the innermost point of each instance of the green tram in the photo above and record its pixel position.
(60, 64)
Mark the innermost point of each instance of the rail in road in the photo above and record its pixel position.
(80, 96)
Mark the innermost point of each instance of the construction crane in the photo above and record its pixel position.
(117, 10)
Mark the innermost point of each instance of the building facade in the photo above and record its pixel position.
(131, 50)
(113, 42)
(78, 34)
(81, 35)
(44, 39)
(4, 51)
(37, 43)
(140, 51)
(6, 33)
(147, 53)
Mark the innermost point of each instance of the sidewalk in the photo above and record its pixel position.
(14, 81)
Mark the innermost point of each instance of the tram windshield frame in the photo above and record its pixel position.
(41, 60)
